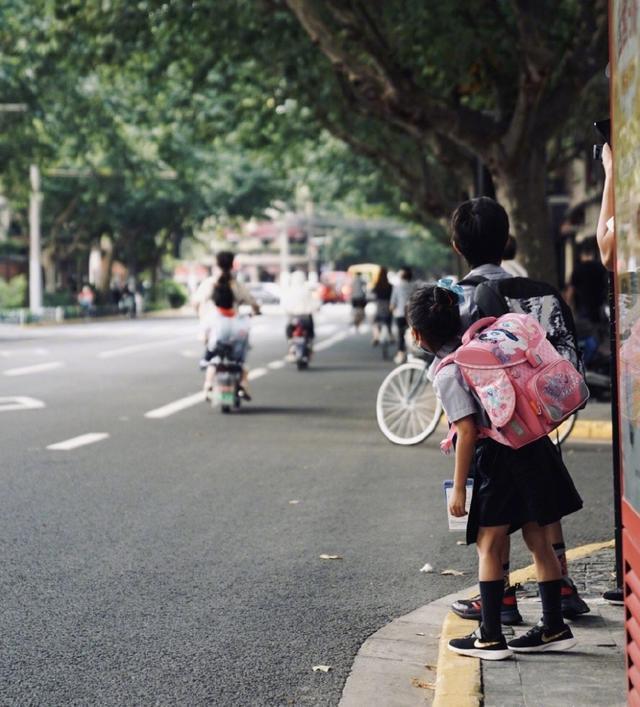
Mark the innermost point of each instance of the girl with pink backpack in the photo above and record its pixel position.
(520, 480)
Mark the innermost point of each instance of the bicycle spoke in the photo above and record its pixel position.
(395, 416)
(396, 385)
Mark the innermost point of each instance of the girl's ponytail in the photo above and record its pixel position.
(444, 298)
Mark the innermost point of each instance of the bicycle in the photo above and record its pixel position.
(408, 410)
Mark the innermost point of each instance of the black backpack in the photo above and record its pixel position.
(539, 299)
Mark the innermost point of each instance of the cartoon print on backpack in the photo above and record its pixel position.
(496, 395)
(506, 343)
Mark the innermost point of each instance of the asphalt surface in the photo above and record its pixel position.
(165, 563)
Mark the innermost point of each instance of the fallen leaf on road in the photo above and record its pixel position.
(461, 542)
(428, 666)
(453, 573)
(421, 633)
(426, 568)
(321, 668)
(423, 684)
(331, 557)
(295, 502)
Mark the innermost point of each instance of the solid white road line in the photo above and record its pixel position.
(80, 441)
(20, 402)
(37, 368)
(176, 406)
(135, 348)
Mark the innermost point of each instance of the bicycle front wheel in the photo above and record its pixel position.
(407, 408)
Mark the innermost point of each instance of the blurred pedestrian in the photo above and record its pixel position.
(86, 298)
(358, 299)
(382, 290)
(398, 305)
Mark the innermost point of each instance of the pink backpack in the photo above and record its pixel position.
(524, 385)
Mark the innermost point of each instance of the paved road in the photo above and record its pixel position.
(164, 563)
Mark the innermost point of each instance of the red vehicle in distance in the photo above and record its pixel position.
(334, 287)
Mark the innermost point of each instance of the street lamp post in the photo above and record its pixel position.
(284, 251)
(35, 268)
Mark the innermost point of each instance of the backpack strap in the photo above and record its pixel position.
(445, 362)
(473, 281)
(489, 300)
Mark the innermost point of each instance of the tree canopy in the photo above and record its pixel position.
(177, 110)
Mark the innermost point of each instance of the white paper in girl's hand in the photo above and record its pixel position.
(459, 524)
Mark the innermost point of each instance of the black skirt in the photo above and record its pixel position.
(517, 486)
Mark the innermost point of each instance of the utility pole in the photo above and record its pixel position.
(35, 269)
(284, 250)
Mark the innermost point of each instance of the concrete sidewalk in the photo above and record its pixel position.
(407, 662)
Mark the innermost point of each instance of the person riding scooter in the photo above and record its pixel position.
(299, 305)
(225, 324)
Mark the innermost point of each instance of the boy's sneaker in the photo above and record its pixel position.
(539, 639)
(572, 604)
(472, 608)
(477, 646)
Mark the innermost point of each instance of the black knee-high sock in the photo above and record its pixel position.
(551, 604)
(491, 596)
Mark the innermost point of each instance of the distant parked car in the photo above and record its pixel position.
(332, 287)
(265, 292)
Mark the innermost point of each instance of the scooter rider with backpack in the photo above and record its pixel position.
(479, 233)
(227, 295)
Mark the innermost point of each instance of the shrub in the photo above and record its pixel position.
(14, 292)
(170, 292)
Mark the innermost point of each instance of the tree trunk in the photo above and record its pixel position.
(521, 189)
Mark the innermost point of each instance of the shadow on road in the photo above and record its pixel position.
(364, 365)
(287, 410)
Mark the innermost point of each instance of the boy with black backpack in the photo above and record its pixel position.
(479, 233)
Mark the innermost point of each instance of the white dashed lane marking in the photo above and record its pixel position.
(175, 406)
(20, 402)
(37, 368)
(81, 441)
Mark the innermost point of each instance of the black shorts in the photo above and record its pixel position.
(517, 486)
